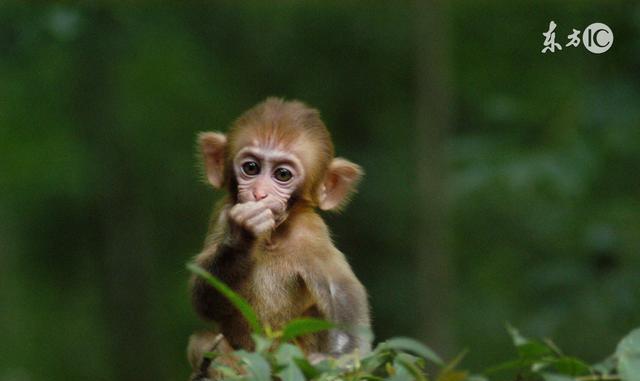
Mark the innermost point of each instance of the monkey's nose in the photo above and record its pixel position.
(259, 195)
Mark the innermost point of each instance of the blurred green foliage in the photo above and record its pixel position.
(277, 357)
(101, 203)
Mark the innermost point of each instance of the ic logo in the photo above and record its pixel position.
(597, 38)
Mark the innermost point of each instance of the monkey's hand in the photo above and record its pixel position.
(255, 217)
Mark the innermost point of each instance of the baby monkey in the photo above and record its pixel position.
(266, 240)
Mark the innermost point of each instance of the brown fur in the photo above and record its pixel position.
(298, 271)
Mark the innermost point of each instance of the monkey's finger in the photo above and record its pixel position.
(242, 207)
(252, 222)
(244, 211)
(277, 206)
(258, 224)
(256, 209)
(264, 228)
(235, 210)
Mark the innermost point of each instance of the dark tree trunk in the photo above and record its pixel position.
(433, 107)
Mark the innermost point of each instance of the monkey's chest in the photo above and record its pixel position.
(276, 295)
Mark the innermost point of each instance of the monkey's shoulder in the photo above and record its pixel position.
(306, 230)
(306, 219)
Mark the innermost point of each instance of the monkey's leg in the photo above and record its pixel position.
(201, 343)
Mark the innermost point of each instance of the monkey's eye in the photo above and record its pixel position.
(251, 168)
(283, 175)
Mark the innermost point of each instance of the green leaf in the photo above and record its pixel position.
(225, 370)
(572, 366)
(628, 354)
(534, 350)
(299, 327)
(517, 338)
(606, 366)
(528, 349)
(291, 373)
(256, 365)
(401, 374)
(377, 358)
(408, 362)
(286, 355)
(539, 366)
(262, 343)
(235, 299)
(305, 366)
(371, 378)
(410, 345)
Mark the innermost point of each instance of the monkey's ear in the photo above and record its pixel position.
(212, 147)
(339, 183)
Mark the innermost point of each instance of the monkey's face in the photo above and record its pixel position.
(265, 173)
(275, 151)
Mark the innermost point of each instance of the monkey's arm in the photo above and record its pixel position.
(229, 261)
(228, 254)
(342, 300)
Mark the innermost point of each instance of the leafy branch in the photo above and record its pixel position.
(276, 357)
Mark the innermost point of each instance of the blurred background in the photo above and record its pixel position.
(502, 184)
